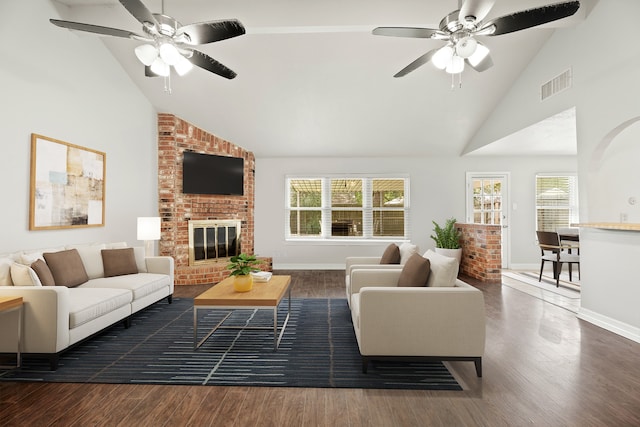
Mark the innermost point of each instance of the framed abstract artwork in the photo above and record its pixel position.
(67, 185)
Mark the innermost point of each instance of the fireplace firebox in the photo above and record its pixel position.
(213, 240)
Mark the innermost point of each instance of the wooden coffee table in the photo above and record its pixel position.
(263, 296)
(8, 304)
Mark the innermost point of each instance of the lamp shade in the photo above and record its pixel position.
(182, 66)
(456, 65)
(146, 53)
(160, 68)
(442, 57)
(149, 228)
(479, 55)
(169, 53)
(466, 46)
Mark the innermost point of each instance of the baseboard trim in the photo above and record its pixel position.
(612, 325)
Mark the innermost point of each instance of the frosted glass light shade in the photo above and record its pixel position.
(183, 66)
(160, 68)
(146, 53)
(169, 53)
(466, 46)
(456, 65)
(442, 57)
(481, 52)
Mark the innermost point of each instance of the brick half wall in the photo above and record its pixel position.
(481, 252)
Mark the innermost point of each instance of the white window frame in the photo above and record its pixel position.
(367, 208)
(573, 207)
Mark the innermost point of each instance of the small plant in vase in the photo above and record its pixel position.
(447, 239)
(241, 267)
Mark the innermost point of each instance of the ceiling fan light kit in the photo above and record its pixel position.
(460, 28)
(167, 42)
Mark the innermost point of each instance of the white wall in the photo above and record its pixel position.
(605, 93)
(69, 87)
(437, 193)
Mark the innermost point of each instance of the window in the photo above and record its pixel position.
(556, 201)
(347, 207)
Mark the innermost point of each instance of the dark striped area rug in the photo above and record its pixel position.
(318, 349)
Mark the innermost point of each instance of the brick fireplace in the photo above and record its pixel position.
(177, 209)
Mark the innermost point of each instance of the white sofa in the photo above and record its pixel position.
(57, 317)
(439, 322)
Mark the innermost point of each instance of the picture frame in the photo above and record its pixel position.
(67, 185)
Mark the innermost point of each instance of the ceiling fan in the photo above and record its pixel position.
(168, 42)
(460, 28)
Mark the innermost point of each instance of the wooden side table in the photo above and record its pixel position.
(9, 304)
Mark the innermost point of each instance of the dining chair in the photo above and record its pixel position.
(553, 251)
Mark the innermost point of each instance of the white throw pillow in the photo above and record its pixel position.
(5, 271)
(91, 257)
(30, 258)
(23, 275)
(141, 263)
(406, 250)
(116, 245)
(444, 269)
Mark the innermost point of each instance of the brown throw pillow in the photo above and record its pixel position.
(66, 267)
(44, 273)
(391, 255)
(415, 271)
(118, 262)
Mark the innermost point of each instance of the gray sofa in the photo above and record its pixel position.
(62, 309)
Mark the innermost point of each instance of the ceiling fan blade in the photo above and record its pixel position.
(417, 63)
(149, 73)
(484, 65)
(212, 31)
(97, 29)
(139, 11)
(419, 33)
(478, 9)
(532, 17)
(206, 62)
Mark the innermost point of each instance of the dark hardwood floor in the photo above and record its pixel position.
(542, 367)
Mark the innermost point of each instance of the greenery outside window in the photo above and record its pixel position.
(556, 201)
(347, 207)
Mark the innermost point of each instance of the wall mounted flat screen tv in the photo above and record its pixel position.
(211, 174)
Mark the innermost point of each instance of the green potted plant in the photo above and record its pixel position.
(241, 267)
(447, 239)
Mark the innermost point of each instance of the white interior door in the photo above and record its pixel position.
(487, 203)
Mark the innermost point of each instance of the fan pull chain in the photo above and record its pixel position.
(167, 83)
(453, 81)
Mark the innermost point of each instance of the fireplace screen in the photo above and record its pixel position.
(212, 240)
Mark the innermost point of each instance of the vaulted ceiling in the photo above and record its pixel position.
(313, 81)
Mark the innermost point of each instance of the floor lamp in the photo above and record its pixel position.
(149, 231)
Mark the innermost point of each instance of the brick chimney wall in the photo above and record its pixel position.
(176, 209)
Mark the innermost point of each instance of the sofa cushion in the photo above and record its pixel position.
(5, 270)
(406, 250)
(415, 272)
(118, 262)
(391, 255)
(86, 305)
(140, 284)
(91, 259)
(444, 269)
(23, 275)
(141, 261)
(43, 272)
(66, 267)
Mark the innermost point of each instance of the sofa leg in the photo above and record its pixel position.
(127, 322)
(478, 362)
(170, 299)
(365, 364)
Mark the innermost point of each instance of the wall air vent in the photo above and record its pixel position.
(556, 85)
